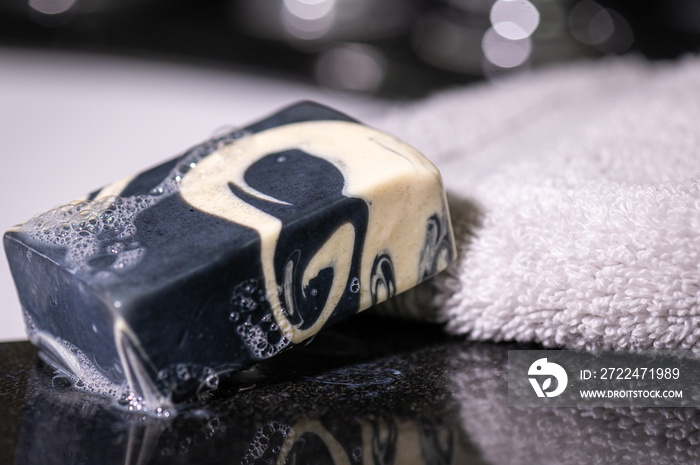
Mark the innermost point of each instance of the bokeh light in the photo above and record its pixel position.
(507, 43)
(354, 67)
(504, 52)
(308, 19)
(51, 7)
(592, 24)
(514, 19)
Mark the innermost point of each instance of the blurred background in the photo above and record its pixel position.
(387, 48)
(93, 90)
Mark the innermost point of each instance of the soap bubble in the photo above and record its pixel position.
(183, 372)
(90, 229)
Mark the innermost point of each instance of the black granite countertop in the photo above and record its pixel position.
(371, 391)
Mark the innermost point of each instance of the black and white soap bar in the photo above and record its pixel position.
(228, 254)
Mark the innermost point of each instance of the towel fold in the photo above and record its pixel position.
(576, 202)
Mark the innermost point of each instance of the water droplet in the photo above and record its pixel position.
(355, 285)
(212, 381)
(234, 316)
(248, 304)
(183, 372)
(357, 454)
(314, 292)
(281, 159)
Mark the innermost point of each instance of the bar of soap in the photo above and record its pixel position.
(245, 245)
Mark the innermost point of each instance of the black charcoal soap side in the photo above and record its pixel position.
(105, 329)
(69, 307)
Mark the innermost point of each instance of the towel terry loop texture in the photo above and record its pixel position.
(576, 203)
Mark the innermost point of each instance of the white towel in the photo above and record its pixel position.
(576, 203)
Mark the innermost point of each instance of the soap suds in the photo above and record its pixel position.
(251, 311)
(100, 231)
(98, 237)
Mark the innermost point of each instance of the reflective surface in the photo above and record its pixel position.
(370, 391)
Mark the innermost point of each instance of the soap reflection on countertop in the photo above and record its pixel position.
(371, 391)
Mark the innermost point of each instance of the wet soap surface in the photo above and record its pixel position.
(367, 391)
(228, 254)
